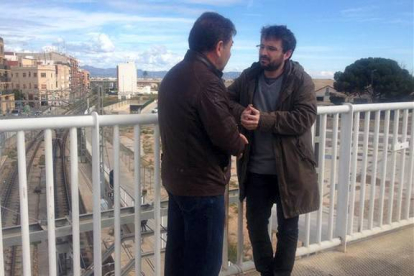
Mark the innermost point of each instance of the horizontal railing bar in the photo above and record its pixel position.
(66, 122)
(62, 122)
(333, 109)
(383, 106)
(46, 123)
(128, 119)
(38, 232)
(379, 230)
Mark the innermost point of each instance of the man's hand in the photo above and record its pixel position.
(250, 118)
(245, 141)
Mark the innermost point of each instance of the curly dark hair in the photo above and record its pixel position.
(280, 32)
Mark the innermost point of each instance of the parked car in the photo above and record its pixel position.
(155, 110)
(15, 112)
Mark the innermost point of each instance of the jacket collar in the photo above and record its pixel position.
(287, 86)
(193, 55)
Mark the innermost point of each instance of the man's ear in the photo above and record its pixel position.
(287, 55)
(219, 48)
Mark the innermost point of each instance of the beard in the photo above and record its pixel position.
(271, 65)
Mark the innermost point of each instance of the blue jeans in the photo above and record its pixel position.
(194, 236)
(262, 191)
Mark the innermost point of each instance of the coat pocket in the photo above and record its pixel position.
(305, 153)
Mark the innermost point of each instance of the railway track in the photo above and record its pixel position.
(10, 199)
(61, 184)
(11, 210)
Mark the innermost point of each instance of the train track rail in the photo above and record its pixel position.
(10, 201)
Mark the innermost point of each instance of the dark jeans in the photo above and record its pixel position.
(262, 192)
(195, 236)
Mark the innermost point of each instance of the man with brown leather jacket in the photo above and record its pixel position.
(198, 134)
(274, 102)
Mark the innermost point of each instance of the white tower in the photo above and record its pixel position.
(127, 80)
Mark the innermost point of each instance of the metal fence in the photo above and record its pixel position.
(365, 167)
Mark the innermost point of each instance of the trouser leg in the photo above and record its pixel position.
(259, 201)
(287, 239)
(204, 236)
(174, 252)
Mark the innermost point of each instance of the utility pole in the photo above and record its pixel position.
(104, 193)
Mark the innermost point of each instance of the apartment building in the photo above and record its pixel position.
(127, 80)
(4, 70)
(6, 103)
(35, 81)
(85, 79)
(53, 58)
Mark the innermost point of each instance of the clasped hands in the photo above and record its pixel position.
(250, 118)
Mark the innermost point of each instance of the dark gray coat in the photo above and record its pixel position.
(290, 124)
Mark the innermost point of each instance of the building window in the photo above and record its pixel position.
(30, 86)
(17, 86)
(35, 75)
(24, 86)
(44, 86)
(24, 75)
(29, 74)
(43, 75)
(35, 86)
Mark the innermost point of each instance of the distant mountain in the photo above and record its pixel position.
(231, 75)
(111, 72)
(100, 72)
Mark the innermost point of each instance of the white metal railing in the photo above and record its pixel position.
(365, 175)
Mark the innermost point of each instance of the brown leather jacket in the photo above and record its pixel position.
(290, 124)
(198, 131)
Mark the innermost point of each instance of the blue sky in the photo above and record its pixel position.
(331, 34)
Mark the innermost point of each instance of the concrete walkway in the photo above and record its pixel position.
(389, 254)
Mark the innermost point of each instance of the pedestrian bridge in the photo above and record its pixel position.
(365, 164)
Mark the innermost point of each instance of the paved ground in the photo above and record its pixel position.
(385, 255)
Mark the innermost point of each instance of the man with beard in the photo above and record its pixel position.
(274, 102)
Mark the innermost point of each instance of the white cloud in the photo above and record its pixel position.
(216, 2)
(321, 74)
(362, 14)
(158, 57)
(161, 7)
(103, 43)
(49, 48)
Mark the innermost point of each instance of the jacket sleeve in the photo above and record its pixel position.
(214, 112)
(234, 91)
(299, 119)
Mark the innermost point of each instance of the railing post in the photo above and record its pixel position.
(157, 203)
(137, 197)
(225, 256)
(96, 179)
(50, 202)
(117, 209)
(74, 180)
(344, 175)
(1, 247)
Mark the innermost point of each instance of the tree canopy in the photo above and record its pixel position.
(383, 79)
(18, 95)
